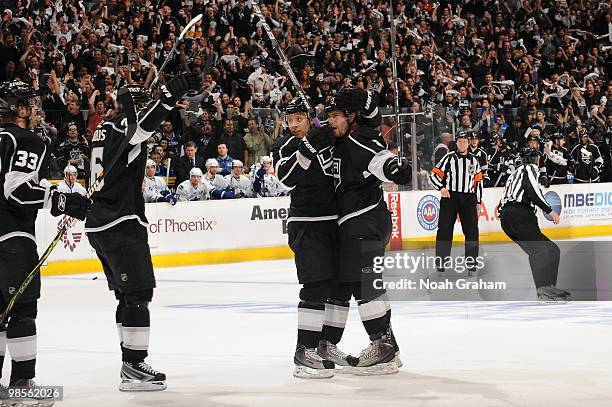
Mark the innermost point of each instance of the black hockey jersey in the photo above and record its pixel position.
(22, 156)
(588, 162)
(358, 171)
(500, 164)
(311, 182)
(119, 196)
(557, 163)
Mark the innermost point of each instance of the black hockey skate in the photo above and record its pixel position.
(25, 384)
(141, 377)
(396, 348)
(553, 295)
(329, 351)
(309, 365)
(377, 359)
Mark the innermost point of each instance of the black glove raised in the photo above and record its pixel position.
(396, 172)
(317, 140)
(178, 86)
(71, 204)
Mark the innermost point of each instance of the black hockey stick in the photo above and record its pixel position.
(188, 27)
(125, 98)
(285, 62)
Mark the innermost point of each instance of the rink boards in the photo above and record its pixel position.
(208, 232)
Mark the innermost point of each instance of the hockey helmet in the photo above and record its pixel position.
(150, 163)
(195, 172)
(296, 105)
(463, 134)
(533, 137)
(12, 94)
(557, 135)
(356, 100)
(237, 163)
(212, 162)
(266, 159)
(70, 169)
(529, 155)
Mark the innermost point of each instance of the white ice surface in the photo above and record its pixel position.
(225, 336)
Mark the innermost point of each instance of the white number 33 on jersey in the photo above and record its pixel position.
(26, 159)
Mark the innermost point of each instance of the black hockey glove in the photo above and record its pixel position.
(72, 204)
(545, 181)
(178, 86)
(316, 141)
(398, 173)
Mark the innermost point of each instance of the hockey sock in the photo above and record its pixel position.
(336, 314)
(374, 315)
(310, 323)
(135, 327)
(21, 342)
(388, 307)
(119, 320)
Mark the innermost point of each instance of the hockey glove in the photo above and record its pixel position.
(178, 86)
(171, 199)
(72, 204)
(317, 140)
(260, 172)
(545, 181)
(398, 173)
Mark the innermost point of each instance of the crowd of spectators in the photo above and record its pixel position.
(498, 68)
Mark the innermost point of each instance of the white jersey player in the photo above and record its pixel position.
(193, 189)
(69, 184)
(154, 188)
(238, 182)
(264, 182)
(212, 176)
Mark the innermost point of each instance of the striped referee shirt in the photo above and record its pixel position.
(458, 173)
(522, 187)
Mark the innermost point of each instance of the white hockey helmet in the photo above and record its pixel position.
(195, 172)
(266, 159)
(237, 163)
(151, 163)
(211, 162)
(70, 169)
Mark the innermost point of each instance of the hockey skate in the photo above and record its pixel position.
(141, 377)
(553, 295)
(377, 359)
(309, 365)
(330, 352)
(5, 401)
(392, 340)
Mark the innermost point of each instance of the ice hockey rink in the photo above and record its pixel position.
(225, 336)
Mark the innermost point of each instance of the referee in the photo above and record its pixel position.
(459, 179)
(518, 220)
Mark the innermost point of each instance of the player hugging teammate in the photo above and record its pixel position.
(338, 223)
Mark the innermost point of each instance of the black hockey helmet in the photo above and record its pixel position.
(356, 100)
(12, 94)
(140, 96)
(296, 105)
(557, 135)
(341, 102)
(464, 134)
(529, 155)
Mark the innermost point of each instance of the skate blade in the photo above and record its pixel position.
(554, 301)
(128, 385)
(340, 369)
(305, 372)
(26, 403)
(379, 369)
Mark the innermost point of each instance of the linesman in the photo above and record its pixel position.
(459, 179)
(518, 220)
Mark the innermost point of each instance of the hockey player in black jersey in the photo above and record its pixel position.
(361, 163)
(558, 159)
(500, 162)
(588, 160)
(303, 159)
(116, 226)
(479, 153)
(23, 160)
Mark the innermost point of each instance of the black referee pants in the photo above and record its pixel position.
(521, 225)
(464, 205)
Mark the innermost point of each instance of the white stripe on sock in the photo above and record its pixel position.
(22, 349)
(120, 332)
(385, 298)
(372, 309)
(310, 319)
(136, 338)
(2, 343)
(336, 315)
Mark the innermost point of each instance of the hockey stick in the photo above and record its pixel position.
(286, 65)
(125, 98)
(187, 28)
(398, 138)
